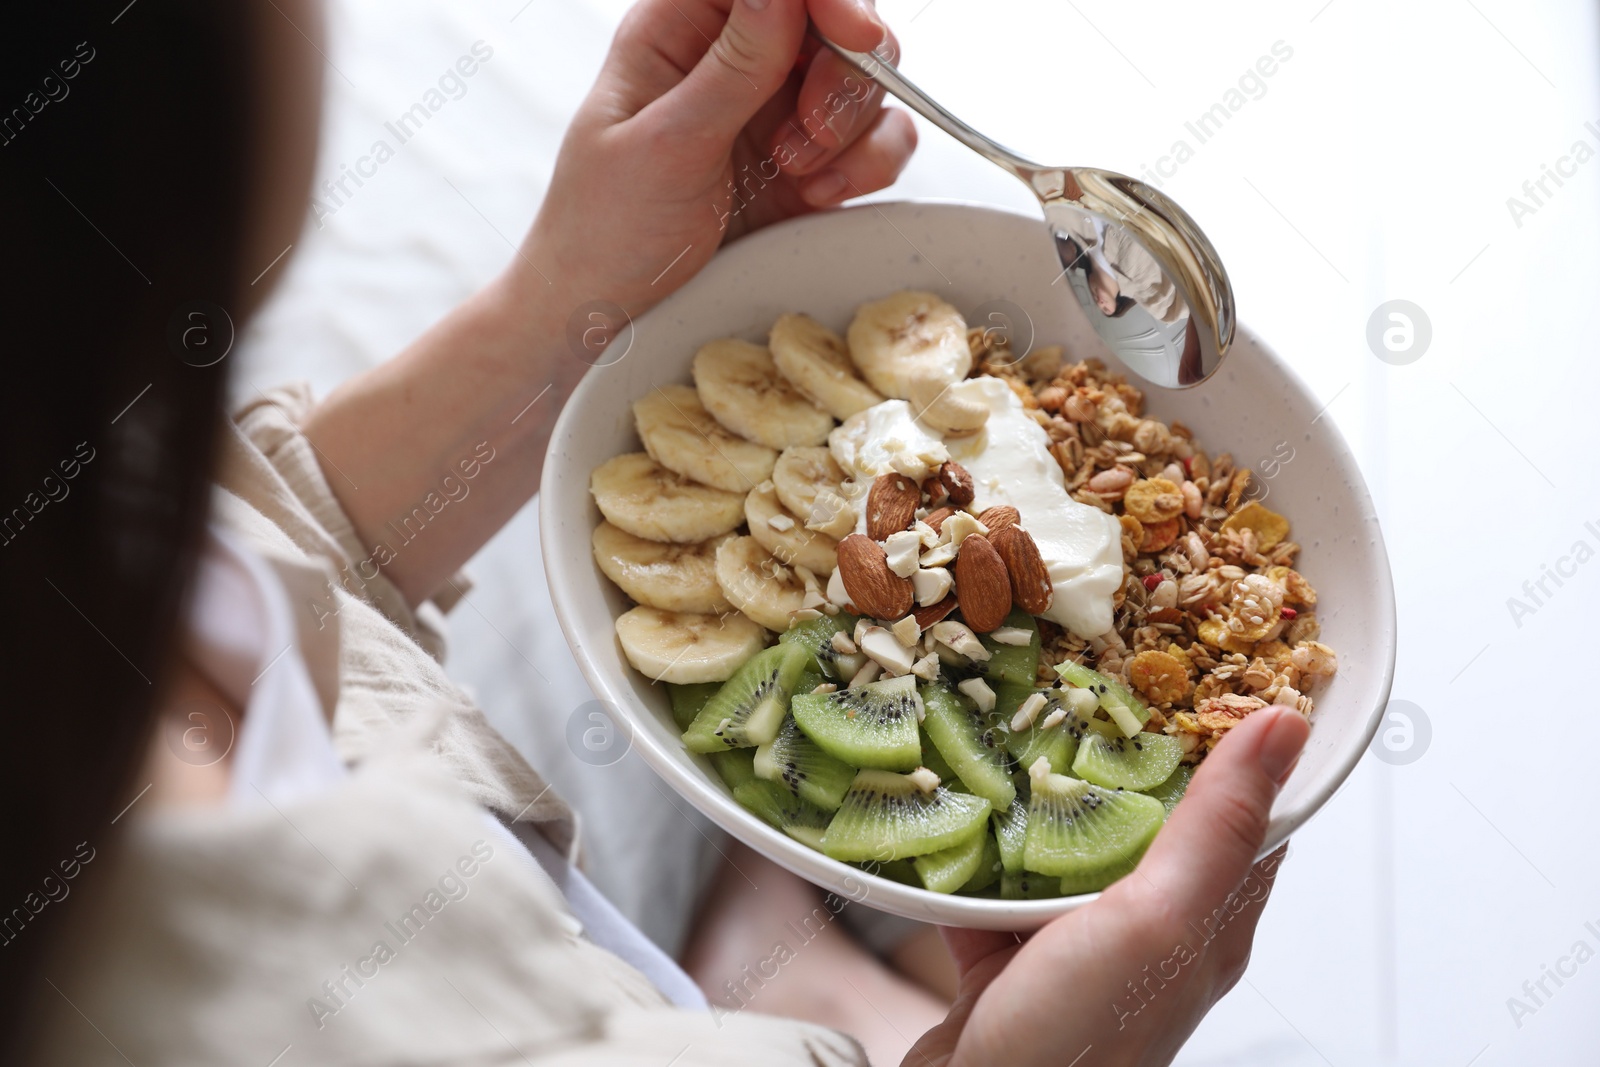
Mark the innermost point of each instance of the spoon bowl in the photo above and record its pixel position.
(1151, 284)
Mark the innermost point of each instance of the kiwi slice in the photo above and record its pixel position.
(1027, 885)
(687, 700)
(887, 816)
(960, 733)
(936, 763)
(872, 726)
(749, 707)
(900, 871)
(1057, 744)
(1011, 833)
(735, 766)
(989, 867)
(1142, 761)
(1085, 835)
(949, 869)
(1118, 701)
(817, 637)
(800, 819)
(1171, 791)
(796, 761)
(1018, 664)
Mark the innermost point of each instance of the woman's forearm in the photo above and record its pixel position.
(433, 451)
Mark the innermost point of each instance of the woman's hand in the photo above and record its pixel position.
(710, 118)
(1127, 979)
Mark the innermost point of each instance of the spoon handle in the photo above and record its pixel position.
(884, 73)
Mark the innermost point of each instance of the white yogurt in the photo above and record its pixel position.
(1010, 463)
(884, 439)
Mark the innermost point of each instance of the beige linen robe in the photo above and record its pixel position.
(376, 922)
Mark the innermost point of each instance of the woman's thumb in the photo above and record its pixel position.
(1210, 842)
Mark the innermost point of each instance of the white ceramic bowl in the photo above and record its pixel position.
(825, 265)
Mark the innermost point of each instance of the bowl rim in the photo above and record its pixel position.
(912, 901)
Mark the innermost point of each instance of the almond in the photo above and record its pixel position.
(891, 505)
(873, 588)
(999, 517)
(982, 585)
(936, 518)
(957, 483)
(933, 613)
(1030, 582)
(935, 491)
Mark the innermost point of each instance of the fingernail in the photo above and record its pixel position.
(757, 5)
(824, 188)
(871, 14)
(1280, 749)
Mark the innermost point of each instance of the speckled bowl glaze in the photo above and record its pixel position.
(973, 256)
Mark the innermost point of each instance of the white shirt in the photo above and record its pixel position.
(243, 638)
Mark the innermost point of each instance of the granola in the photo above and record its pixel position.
(1212, 620)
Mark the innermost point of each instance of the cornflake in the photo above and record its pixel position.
(1268, 526)
(1153, 500)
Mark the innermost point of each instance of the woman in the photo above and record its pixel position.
(252, 820)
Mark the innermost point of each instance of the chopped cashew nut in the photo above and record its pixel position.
(883, 647)
(959, 638)
(901, 549)
(1081, 702)
(958, 527)
(1028, 712)
(931, 585)
(868, 673)
(979, 691)
(836, 590)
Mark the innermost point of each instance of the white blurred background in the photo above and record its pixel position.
(1374, 164)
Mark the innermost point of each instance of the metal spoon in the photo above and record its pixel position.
(1149, 281)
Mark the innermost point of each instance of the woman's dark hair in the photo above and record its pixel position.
(124, 164)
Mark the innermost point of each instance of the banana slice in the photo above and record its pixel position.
(907, 336)
(808, 483)
(683, 648)
(669, 577)
(781, 534)
(681, 435)
(758, 585)
(816, 361)
(741, 387)
(638, 495)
